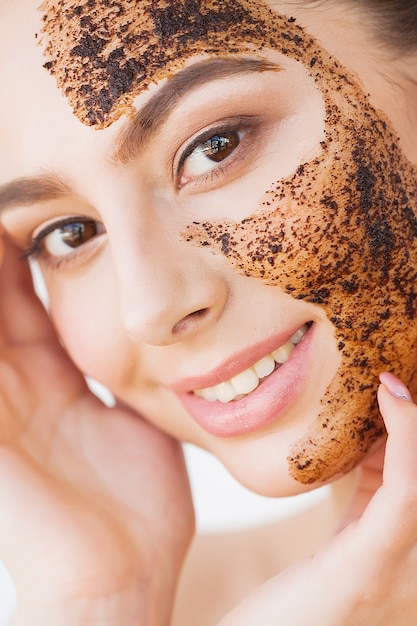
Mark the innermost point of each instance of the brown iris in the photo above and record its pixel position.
(78, 233)
(219, 147)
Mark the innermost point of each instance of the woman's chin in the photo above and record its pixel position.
(265, 476)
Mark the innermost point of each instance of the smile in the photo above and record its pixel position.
(247, 381)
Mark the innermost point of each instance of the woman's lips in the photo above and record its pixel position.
(245, 382)
(267, 403)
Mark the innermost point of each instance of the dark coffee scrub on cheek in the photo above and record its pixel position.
(340, 232)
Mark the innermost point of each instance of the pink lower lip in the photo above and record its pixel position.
(265, 405)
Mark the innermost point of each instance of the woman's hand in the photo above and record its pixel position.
(95, 510)
(367, 574)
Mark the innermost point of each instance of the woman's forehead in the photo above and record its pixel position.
(103, 54)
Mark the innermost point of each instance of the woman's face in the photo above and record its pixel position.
(224, 215)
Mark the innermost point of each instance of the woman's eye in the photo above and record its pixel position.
(204, 156)
(62, 239)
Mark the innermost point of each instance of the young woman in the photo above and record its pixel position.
(222, 198)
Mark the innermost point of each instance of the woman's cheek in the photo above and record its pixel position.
(340, 233)
(84, 308)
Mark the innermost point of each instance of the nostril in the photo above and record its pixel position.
(199, 313)
(183, 325)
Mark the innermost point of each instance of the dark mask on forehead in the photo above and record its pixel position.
(339, 233)
(103, 53)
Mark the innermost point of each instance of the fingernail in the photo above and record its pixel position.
(395, 386)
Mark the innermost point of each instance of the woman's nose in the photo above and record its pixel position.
(169, 291)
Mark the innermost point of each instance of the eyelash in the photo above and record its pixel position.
(247, 125)
(35, 251)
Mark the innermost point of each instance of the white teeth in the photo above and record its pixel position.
(248, 380)
(298, 335)
(265, 366)
(245, 382)
(283, 353)
(208, 394)
(225, 392)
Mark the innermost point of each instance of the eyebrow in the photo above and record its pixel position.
(148, 120)
(138, 131)
(31, 190)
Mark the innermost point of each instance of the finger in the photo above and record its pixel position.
(400, 416)
(389, 523)
(23, 318)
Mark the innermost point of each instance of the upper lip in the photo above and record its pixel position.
(234, 364)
